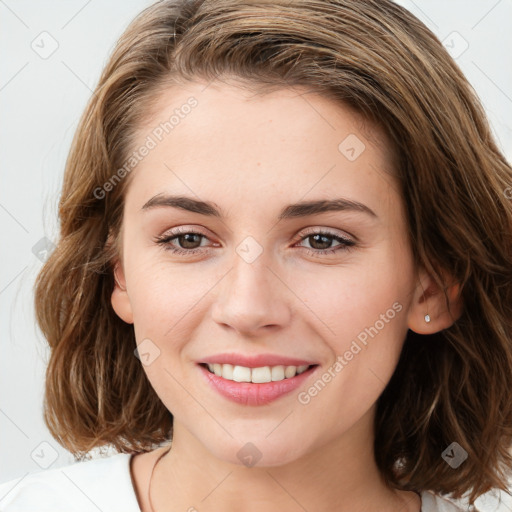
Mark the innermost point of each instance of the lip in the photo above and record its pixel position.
(248, 393)
(255, 361)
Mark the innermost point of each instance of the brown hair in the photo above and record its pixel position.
(377, 58)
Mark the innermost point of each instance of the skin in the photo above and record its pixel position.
(252, 155)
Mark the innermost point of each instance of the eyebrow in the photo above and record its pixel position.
(300, 209)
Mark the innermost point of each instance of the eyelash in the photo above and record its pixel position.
(164, 241)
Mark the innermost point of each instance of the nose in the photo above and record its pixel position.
(252, 299)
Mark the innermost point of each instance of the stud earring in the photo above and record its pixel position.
(427, 316)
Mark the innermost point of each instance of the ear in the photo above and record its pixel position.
(119, 298)
(429, 298)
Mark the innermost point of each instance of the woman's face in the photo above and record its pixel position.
(263, 272)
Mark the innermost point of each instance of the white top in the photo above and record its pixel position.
(105, 485)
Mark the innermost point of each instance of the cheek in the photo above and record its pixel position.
(166, 302)
(347, 300)
(365, 309)
(167, 298)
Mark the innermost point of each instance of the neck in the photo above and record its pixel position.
(339, 475)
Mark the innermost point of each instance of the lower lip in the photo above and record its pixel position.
(248, 393)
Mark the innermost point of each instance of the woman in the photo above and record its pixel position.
(283, 277)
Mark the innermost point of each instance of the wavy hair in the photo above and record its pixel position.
(379, 59)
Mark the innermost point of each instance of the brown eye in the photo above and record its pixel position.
(189, 240)
(321, 243)
(182, 241)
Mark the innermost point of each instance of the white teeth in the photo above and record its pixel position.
(278, 372)
(227, 371)
(259, 375)
(256, 375)
(241, 374)
(290, 371)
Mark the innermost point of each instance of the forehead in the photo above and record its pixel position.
(236, 103)
(218, 138)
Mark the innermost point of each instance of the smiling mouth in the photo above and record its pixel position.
(260, 375)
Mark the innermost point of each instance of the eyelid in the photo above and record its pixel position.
(184, 229)
(328, 231)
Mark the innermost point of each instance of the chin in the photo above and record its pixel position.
(257, 450)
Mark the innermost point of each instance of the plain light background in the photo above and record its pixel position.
(53, 53)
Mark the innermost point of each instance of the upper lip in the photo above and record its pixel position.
(255, 361)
